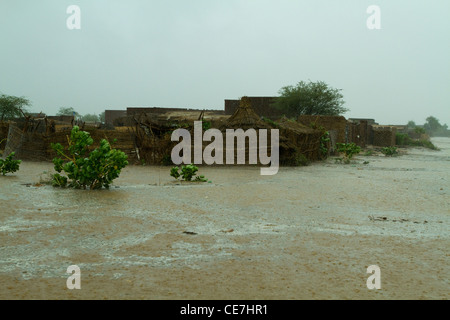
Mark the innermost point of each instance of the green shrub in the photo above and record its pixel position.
(301, 160)
(187, 173)
(324, 139)
(58, 180)
(389, 151)
(174, 172)
(401, 139)
(9, 165)
(348, 149)
(206, 125)
(96, 169)
(295, 159)
(271, 122)
(423, 143)
(419, 130)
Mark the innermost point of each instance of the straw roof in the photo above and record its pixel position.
(245, 117)
(295, 126)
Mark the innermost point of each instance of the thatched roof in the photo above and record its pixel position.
(245, 117)
(295, 126)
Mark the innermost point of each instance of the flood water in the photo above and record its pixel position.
(307, 232)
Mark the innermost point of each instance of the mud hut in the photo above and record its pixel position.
(151, 138)
(299, 144)
(246, 118)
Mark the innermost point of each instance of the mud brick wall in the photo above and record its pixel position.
(61, 119)
(262, 106)
(358, 133)
(231, 106)
(363, 133)
(330, 123)
(37, 147)
(384, 136)
(124, 141)
(111, 115)
(123, 122)
(158, 110)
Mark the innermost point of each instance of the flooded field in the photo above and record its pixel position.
(305, 233)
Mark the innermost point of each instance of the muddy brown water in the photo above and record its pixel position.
(305, 233)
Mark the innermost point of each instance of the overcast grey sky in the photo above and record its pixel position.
(178, 53)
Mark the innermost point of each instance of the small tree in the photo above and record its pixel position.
(96, 169)
(9, 165)
(411, 124)
(434, 128)
(90, 118)
(389, 151)
(12, 107)
(67, 112)
(310, 98)
(348, 149)
(187, 173)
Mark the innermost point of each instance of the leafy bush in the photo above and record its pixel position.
(96, 169)
(402, 139)
(301, 160)
(324, 139)
(348, 149)
(389, 151)
(271, 122)
(9, 165)
(419, 130)
(187, 173)
(174, 172)
(206, 125)
(423, 143)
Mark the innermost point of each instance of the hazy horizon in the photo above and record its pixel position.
(197, 54)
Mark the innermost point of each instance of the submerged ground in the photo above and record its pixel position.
(305, 233)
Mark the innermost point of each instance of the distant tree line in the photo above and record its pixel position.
(87, 117)
(12, 107)
(432, 127)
